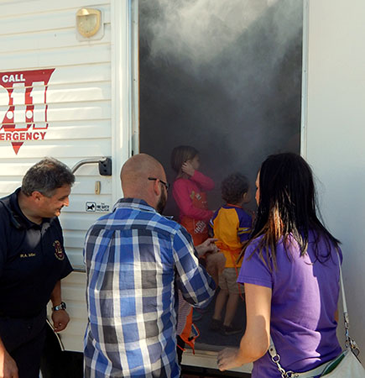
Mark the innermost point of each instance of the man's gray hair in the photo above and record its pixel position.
(46, 176)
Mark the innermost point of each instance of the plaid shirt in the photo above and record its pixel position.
(135, 260)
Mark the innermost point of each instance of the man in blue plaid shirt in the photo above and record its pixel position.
(136, 260)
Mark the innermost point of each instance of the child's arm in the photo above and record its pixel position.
(184, 202)
(205, 182)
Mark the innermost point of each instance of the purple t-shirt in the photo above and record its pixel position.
(304, 300)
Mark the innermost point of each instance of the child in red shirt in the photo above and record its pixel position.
(189, 192)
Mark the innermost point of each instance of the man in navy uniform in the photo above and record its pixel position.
(32, 263)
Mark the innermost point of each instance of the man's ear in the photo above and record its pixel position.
(157, 187)
(37, 196)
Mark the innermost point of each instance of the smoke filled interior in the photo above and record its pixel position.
(225, 78)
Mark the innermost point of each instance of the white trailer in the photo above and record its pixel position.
(72, 96)
(66, 94)
(69, 89)
(333, 133)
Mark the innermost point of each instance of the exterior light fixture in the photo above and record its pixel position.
(88, 22)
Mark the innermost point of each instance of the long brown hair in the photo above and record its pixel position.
(287, 208)
(180, 155)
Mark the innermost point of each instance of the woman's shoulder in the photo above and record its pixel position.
(256, 240)
(254, 245)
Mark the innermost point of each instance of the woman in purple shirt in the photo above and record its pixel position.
(291, 276)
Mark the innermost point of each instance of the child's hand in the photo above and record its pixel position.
(187, 168)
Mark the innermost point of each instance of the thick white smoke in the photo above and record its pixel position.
(199, 30)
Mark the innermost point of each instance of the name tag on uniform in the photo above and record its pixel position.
(25, 255)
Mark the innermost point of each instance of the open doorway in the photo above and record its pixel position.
(225, 78)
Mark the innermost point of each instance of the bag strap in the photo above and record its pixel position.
(346, 319)
(349, 343)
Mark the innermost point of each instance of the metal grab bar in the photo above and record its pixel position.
(105, 165)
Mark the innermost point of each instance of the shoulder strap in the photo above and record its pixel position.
(342, 288)
(349, 343)
(14, 219)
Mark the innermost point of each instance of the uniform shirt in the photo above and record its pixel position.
(304, 300)
(135, 260)
(231, 226)
(32, 260)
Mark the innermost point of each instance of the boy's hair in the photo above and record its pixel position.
(180, 155)
(234, 187)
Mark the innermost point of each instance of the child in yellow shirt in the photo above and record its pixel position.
(231, 225)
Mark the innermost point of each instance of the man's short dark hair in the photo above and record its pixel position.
(46, 176)
(234, 187)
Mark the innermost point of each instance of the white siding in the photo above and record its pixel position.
(88, 114)
(334, 123)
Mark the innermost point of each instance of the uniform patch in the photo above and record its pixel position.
(58, 250)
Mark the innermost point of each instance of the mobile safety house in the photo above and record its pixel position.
(69, 89)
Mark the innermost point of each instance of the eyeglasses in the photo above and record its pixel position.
(165, 184)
